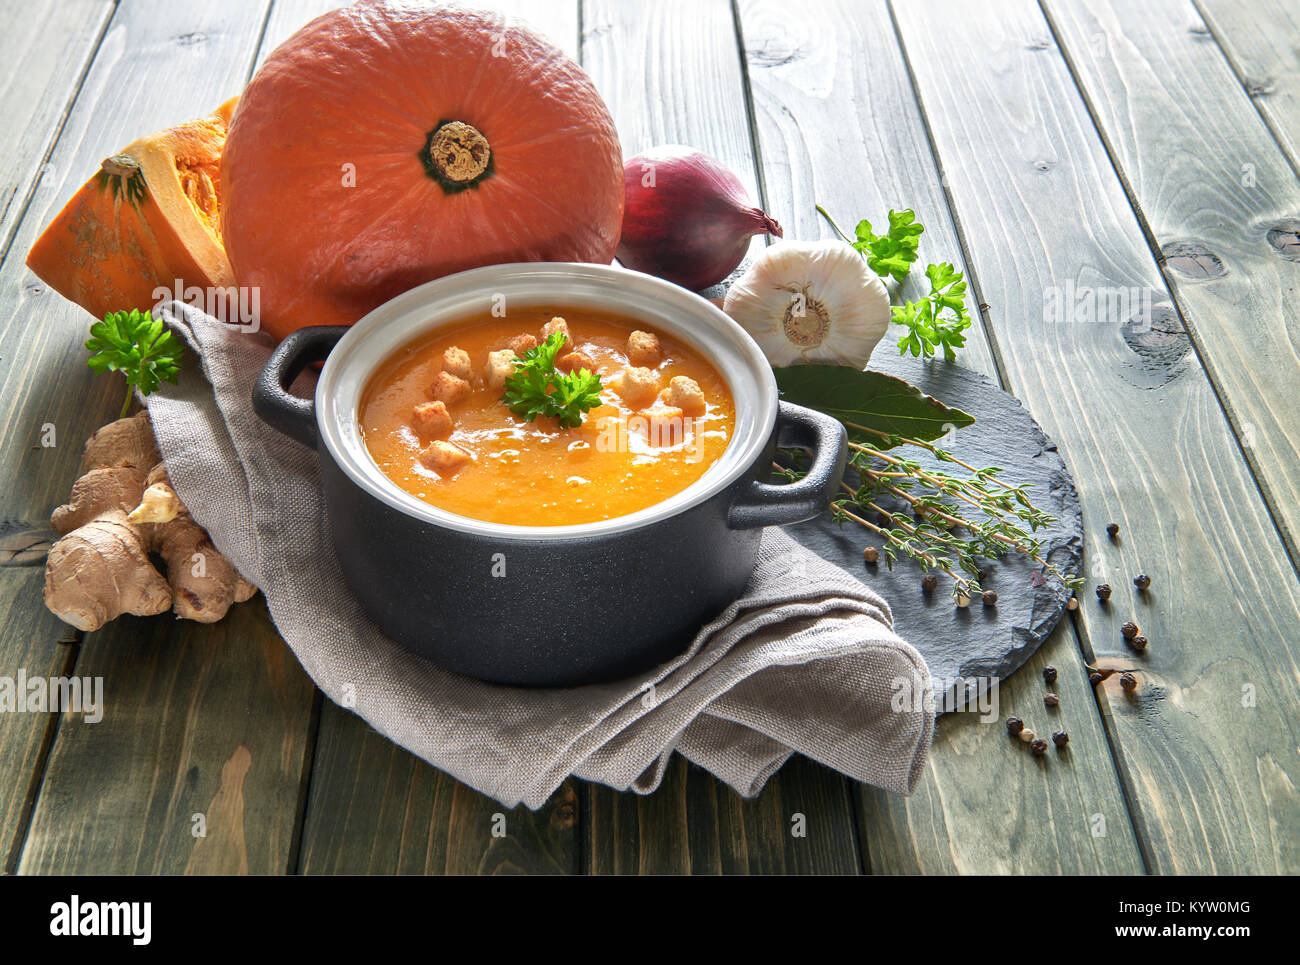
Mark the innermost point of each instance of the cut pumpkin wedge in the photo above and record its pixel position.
(150, 218)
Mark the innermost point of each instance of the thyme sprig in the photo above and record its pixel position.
(939, 519)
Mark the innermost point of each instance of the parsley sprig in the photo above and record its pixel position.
(137, 345)
(939, 319)
(893, 252)
(537, 388)
(889, 254)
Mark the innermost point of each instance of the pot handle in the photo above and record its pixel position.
(766, 504)
(273, 402)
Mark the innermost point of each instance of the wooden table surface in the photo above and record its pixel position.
(1109, 154)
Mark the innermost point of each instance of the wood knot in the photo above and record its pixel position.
(774, 54)
(1285, 239)
(565, 812)
(1160, 342)
(1193, 260)
(24, 545)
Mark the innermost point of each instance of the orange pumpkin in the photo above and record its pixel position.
(389, 143)
(150, 218)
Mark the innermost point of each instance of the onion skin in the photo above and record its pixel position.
(686, 218)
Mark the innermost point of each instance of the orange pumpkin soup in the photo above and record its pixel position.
(434, 421)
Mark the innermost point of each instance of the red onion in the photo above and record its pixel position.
(686, 217)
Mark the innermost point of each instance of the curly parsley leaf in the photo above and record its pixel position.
(538, 388)
(576, 393)
(893, 252)
(939, 319)
(137, 345)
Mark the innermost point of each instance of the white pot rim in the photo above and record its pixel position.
(666, 307)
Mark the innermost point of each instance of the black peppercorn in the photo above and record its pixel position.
(1094, 678)
(1103, 592)
(870, 554)
(929, 582)
(1142, 582)
(1039, 747)
(1112, 530)
(883, 518)
(1015, 725)
(1051, 700)
(1130, 630)
(1128, 681)
(1049, 674)
(1138, 643)
(989, 597)
(1061, 738)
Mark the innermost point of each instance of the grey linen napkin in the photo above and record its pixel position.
(805, 661)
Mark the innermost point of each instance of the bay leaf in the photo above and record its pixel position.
(869, 399)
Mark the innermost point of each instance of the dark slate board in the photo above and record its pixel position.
(978, 641)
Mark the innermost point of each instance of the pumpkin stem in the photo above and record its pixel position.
(457, 156)
(120, 166)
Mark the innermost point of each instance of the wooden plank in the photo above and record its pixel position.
(374, 807)
(25, 738)
(43, 55)
(1222, 215)
(378, 809)
(986, 806)
(838, 125)
(201, 719)
(44, 51)
(684, 84)
(188, 729)
(1262, 42)
(824, 140)
(1212, 780)
(694, 824)
(201, 57)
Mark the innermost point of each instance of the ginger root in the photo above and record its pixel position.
(122, 509)
(158, 504)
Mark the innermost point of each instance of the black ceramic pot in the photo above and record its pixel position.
(548, 605)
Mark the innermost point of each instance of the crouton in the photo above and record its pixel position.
(685, 393)
(521, 344)
(500, 366)
(636, 385)
(431, 420)
(643, 349)
(665, 424)
(449, 389)
(444, 458)
(456, 362)
(574, 361)
(556, 324)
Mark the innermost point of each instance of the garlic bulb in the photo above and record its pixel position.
(811, 302)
